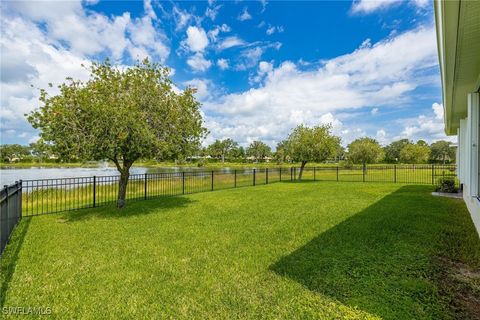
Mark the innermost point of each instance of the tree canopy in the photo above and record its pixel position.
(311, 144)
(258, 150)
(365, 150)
(281, 152)
(120, 114)
(442, 151)
(415, 153)
(392, 151)
(422, 143)
(222, 148)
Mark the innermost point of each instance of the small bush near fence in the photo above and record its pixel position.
(446, 184)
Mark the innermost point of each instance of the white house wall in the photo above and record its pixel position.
(468, 155)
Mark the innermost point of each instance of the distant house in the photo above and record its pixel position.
(266, 159)
(458, 38)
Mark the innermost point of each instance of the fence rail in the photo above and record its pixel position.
(10, 211)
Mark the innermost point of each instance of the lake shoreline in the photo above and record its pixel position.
(143, 164)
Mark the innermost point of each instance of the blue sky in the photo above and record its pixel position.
(260, 67)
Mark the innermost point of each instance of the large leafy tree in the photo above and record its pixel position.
(415, 153)
(120, 114)
(365, 150)
(392, 151)
(222, 148)
(311, 144)
(442, 151)
(258, 150)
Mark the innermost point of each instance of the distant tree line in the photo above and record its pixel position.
(360, 151)
(34, 152)
(303, 141)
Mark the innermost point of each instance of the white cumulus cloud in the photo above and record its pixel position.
(197, 39)
(198, 62)
(429, 126)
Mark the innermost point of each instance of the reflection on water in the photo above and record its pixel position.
(9, 176)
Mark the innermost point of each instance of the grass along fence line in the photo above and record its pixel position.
(58, 195)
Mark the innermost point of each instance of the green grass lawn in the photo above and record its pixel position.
(319, 250)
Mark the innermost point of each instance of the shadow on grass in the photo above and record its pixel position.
(379, 260)
(9, 258)
(132, 208)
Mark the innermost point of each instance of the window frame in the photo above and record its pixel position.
(473, 143)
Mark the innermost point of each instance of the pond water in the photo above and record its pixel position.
(9, 176)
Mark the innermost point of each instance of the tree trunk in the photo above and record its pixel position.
(122, 187)
(301, 169)
(223, 158)
(364, 168)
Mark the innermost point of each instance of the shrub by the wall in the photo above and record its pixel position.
(446, 185)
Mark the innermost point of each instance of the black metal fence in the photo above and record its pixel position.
(57, 195)
(406, 174)
(10, 211)
(64, 194)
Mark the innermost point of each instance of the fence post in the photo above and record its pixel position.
(314, 173)
(145, 186)
(212, 180)
(183, 182)
(20, 199)
(266, 176)
(395, 173)
(7, 209)
(337, 173)
(235, 179)
(94, 191)
(15, 203)
(254, 177)
(433, 174)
